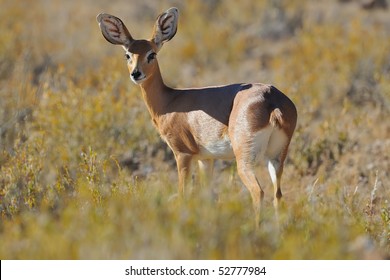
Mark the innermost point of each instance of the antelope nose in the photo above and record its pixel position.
(135, 74)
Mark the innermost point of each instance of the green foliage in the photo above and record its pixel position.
(84, 175)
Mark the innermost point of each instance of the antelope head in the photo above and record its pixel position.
(140, 54)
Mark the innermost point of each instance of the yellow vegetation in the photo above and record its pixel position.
(84, 175)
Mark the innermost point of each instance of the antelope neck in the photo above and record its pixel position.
(156, 94)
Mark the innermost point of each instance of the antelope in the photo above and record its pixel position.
(237, 121)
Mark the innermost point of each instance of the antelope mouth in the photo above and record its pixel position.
(138, 80)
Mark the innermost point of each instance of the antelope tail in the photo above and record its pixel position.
(276, 118)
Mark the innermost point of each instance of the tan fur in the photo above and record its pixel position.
(238, 121)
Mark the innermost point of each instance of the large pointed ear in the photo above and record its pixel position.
(165, 27)
(114, 30)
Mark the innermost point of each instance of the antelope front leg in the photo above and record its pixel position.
(183, 162)
(206, 168)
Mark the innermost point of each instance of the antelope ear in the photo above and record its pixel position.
(114, 30)
(165, 27)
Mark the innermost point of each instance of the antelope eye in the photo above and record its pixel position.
(151, 56)
(127, 56)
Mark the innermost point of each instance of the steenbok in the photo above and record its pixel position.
(241, 121)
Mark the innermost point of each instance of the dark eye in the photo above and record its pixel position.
(151, 56)
(127, 56)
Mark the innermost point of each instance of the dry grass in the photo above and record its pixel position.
(84, 175)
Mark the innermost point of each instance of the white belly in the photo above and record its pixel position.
(221, 149)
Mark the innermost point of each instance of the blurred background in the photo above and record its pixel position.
(83, 173)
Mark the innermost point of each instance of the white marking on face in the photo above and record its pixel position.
(149, 54)
(129, 56)
(131, 61)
